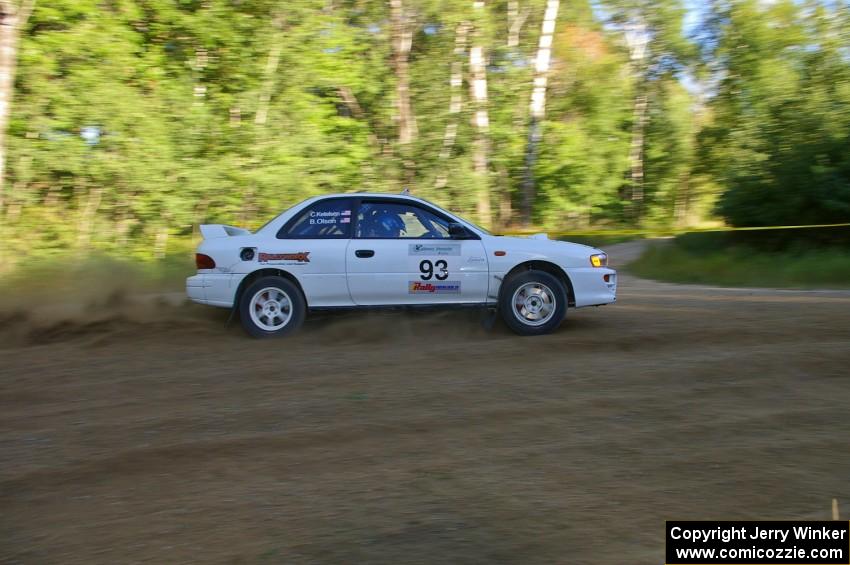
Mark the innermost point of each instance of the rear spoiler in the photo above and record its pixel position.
(215, 231)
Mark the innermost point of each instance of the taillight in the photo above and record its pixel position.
(204, 261)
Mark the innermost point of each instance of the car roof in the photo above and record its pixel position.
(387, 195)
(397, 196)
(277, 222)
(370, 195)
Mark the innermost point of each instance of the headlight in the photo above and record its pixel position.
(600, 260)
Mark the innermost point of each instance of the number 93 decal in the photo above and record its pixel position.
(427, 268)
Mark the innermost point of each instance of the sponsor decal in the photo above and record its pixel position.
(301, 257)
(433, 249)
(420, 287)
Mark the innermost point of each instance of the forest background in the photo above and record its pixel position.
(127, 123)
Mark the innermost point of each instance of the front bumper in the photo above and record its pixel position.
(591, 288)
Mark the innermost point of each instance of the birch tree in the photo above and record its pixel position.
(455, 103)
(516, 19)
(402, 40)
(270, 72)
(481, 117)
(537, 107)
(652, 30)
(637, 39)
(13, 18)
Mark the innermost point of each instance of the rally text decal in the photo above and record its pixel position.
(301, 257)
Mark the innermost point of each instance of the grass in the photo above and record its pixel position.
(728, 262)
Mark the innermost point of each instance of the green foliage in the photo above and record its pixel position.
(670, 157)
(781, 129)
(584, 155)
(133, 121)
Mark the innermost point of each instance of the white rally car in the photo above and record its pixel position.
(371, 250)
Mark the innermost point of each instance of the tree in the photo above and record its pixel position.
(582, 168)
(456, 102)
(780, 130)
(402, 39)
(537, 109)
(136, 120)
(481, 120)
(658, 52)
(13, 18)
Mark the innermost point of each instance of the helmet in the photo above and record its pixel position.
(387, 224)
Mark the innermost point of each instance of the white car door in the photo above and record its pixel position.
(312, 247)
(401, 253)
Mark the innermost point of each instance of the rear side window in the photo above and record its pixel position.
(326, 219)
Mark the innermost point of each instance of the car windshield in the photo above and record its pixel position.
(479, 228)
(476, 226)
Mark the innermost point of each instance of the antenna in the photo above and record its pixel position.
(405, 191)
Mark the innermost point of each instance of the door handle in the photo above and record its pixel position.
(365, 253)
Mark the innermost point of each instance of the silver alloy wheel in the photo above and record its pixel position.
(534, 304)
(270, 309)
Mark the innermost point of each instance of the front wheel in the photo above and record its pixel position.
(533, 303)
(272, 307)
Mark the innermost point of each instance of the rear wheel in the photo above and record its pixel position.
(272, 307)
(533, 303)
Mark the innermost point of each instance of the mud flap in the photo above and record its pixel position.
(488, 317)
(232, 314)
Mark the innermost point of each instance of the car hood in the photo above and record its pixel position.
(541, 243)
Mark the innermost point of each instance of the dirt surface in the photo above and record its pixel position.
(150, 433)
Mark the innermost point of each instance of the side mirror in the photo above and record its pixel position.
(458, 231)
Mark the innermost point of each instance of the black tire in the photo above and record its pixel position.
(288, 314)
(547, 286)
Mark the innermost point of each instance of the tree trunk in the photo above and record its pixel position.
(402, 40)
(505, 205)
(681, 199)
(350, 100)
(636, 153)
(637, 39)
(528, 191)
(269, 74)
(516, 20)
(481, 122)
(455, 104)
(12, 20)
(537, 108)
(160, 246)
(199, 64)
(88, 212)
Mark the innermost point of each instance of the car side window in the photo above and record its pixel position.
(388, 220)
(326, 219)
